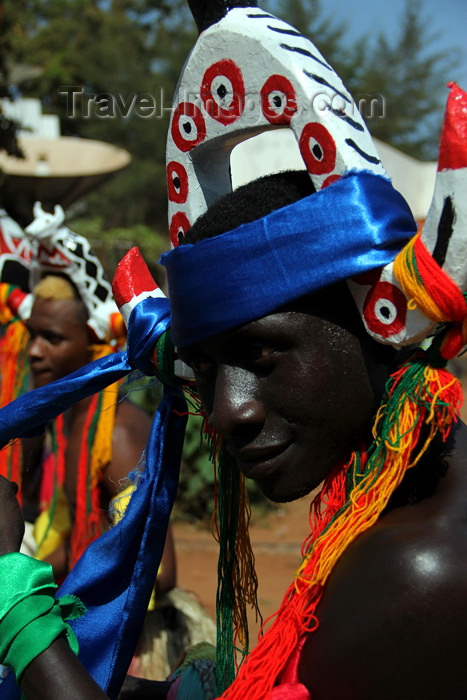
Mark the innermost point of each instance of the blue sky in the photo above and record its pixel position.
(446, 17)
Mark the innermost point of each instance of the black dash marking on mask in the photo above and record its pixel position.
(101, 292)
(263, 16)
(305, 52)
(289, 32)
(345, 117)
(370, 159)
(322, 81)
(445, 229)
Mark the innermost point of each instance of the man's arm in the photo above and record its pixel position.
(56, 674)
(131, 433)
(167, 575)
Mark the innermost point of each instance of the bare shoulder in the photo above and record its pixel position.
(130, 413)
(393, 618)
(132, 421)
(130, 436)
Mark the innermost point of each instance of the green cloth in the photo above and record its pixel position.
(31, 618)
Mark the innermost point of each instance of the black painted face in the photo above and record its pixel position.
(289, 393)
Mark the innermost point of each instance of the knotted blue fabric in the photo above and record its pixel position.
(355, 225)
(115, 576)
(29, 414)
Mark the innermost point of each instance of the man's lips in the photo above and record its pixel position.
(40, 370)
(40, 373)
(259, 462)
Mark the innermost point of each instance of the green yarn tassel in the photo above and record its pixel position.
(228, 508)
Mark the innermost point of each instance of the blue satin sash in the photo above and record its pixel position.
(115, 576)
(29, 414)
(356, 224)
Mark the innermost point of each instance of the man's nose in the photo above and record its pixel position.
(35, 348)
(237, 407)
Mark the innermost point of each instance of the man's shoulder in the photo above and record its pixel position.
(128, 412)
(132, 426)
(131, 432)
(396, 600)
(428, 553)
(424, 544)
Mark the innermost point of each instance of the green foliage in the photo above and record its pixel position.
(195, 495)
(124, 48)
(405, 76)
(309, 19)
(111, 244)
(144, 391)
(411, 78)
(8, 127)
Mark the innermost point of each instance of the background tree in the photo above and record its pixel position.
(412, 79)
(8, 127)
(406, 71)
(120, 47)
(135, 47)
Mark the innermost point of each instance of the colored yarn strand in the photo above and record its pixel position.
(237, 580)
(163, 359)
(59, 444)
(430, 289)
(227, 573)
(84, 526)
(95, 455)
(13, 344)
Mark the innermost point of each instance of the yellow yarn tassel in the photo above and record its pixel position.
(101, 454)
(13, 345)
(408, 275)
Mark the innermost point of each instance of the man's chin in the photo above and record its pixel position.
(40, 380)
(286, 493)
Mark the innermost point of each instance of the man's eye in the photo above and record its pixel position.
(201, 365)
(53, 339)
(262, 353)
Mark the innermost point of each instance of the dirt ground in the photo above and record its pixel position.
(276, 541)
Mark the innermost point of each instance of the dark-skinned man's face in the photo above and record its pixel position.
(289, 393)
(59, 341)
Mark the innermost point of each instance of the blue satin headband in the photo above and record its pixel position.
(356, 224)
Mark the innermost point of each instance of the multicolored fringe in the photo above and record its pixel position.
(95, 454)
(430, 289)
(419, 397)
(237, 581)
(13, 345)
(52, 525)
